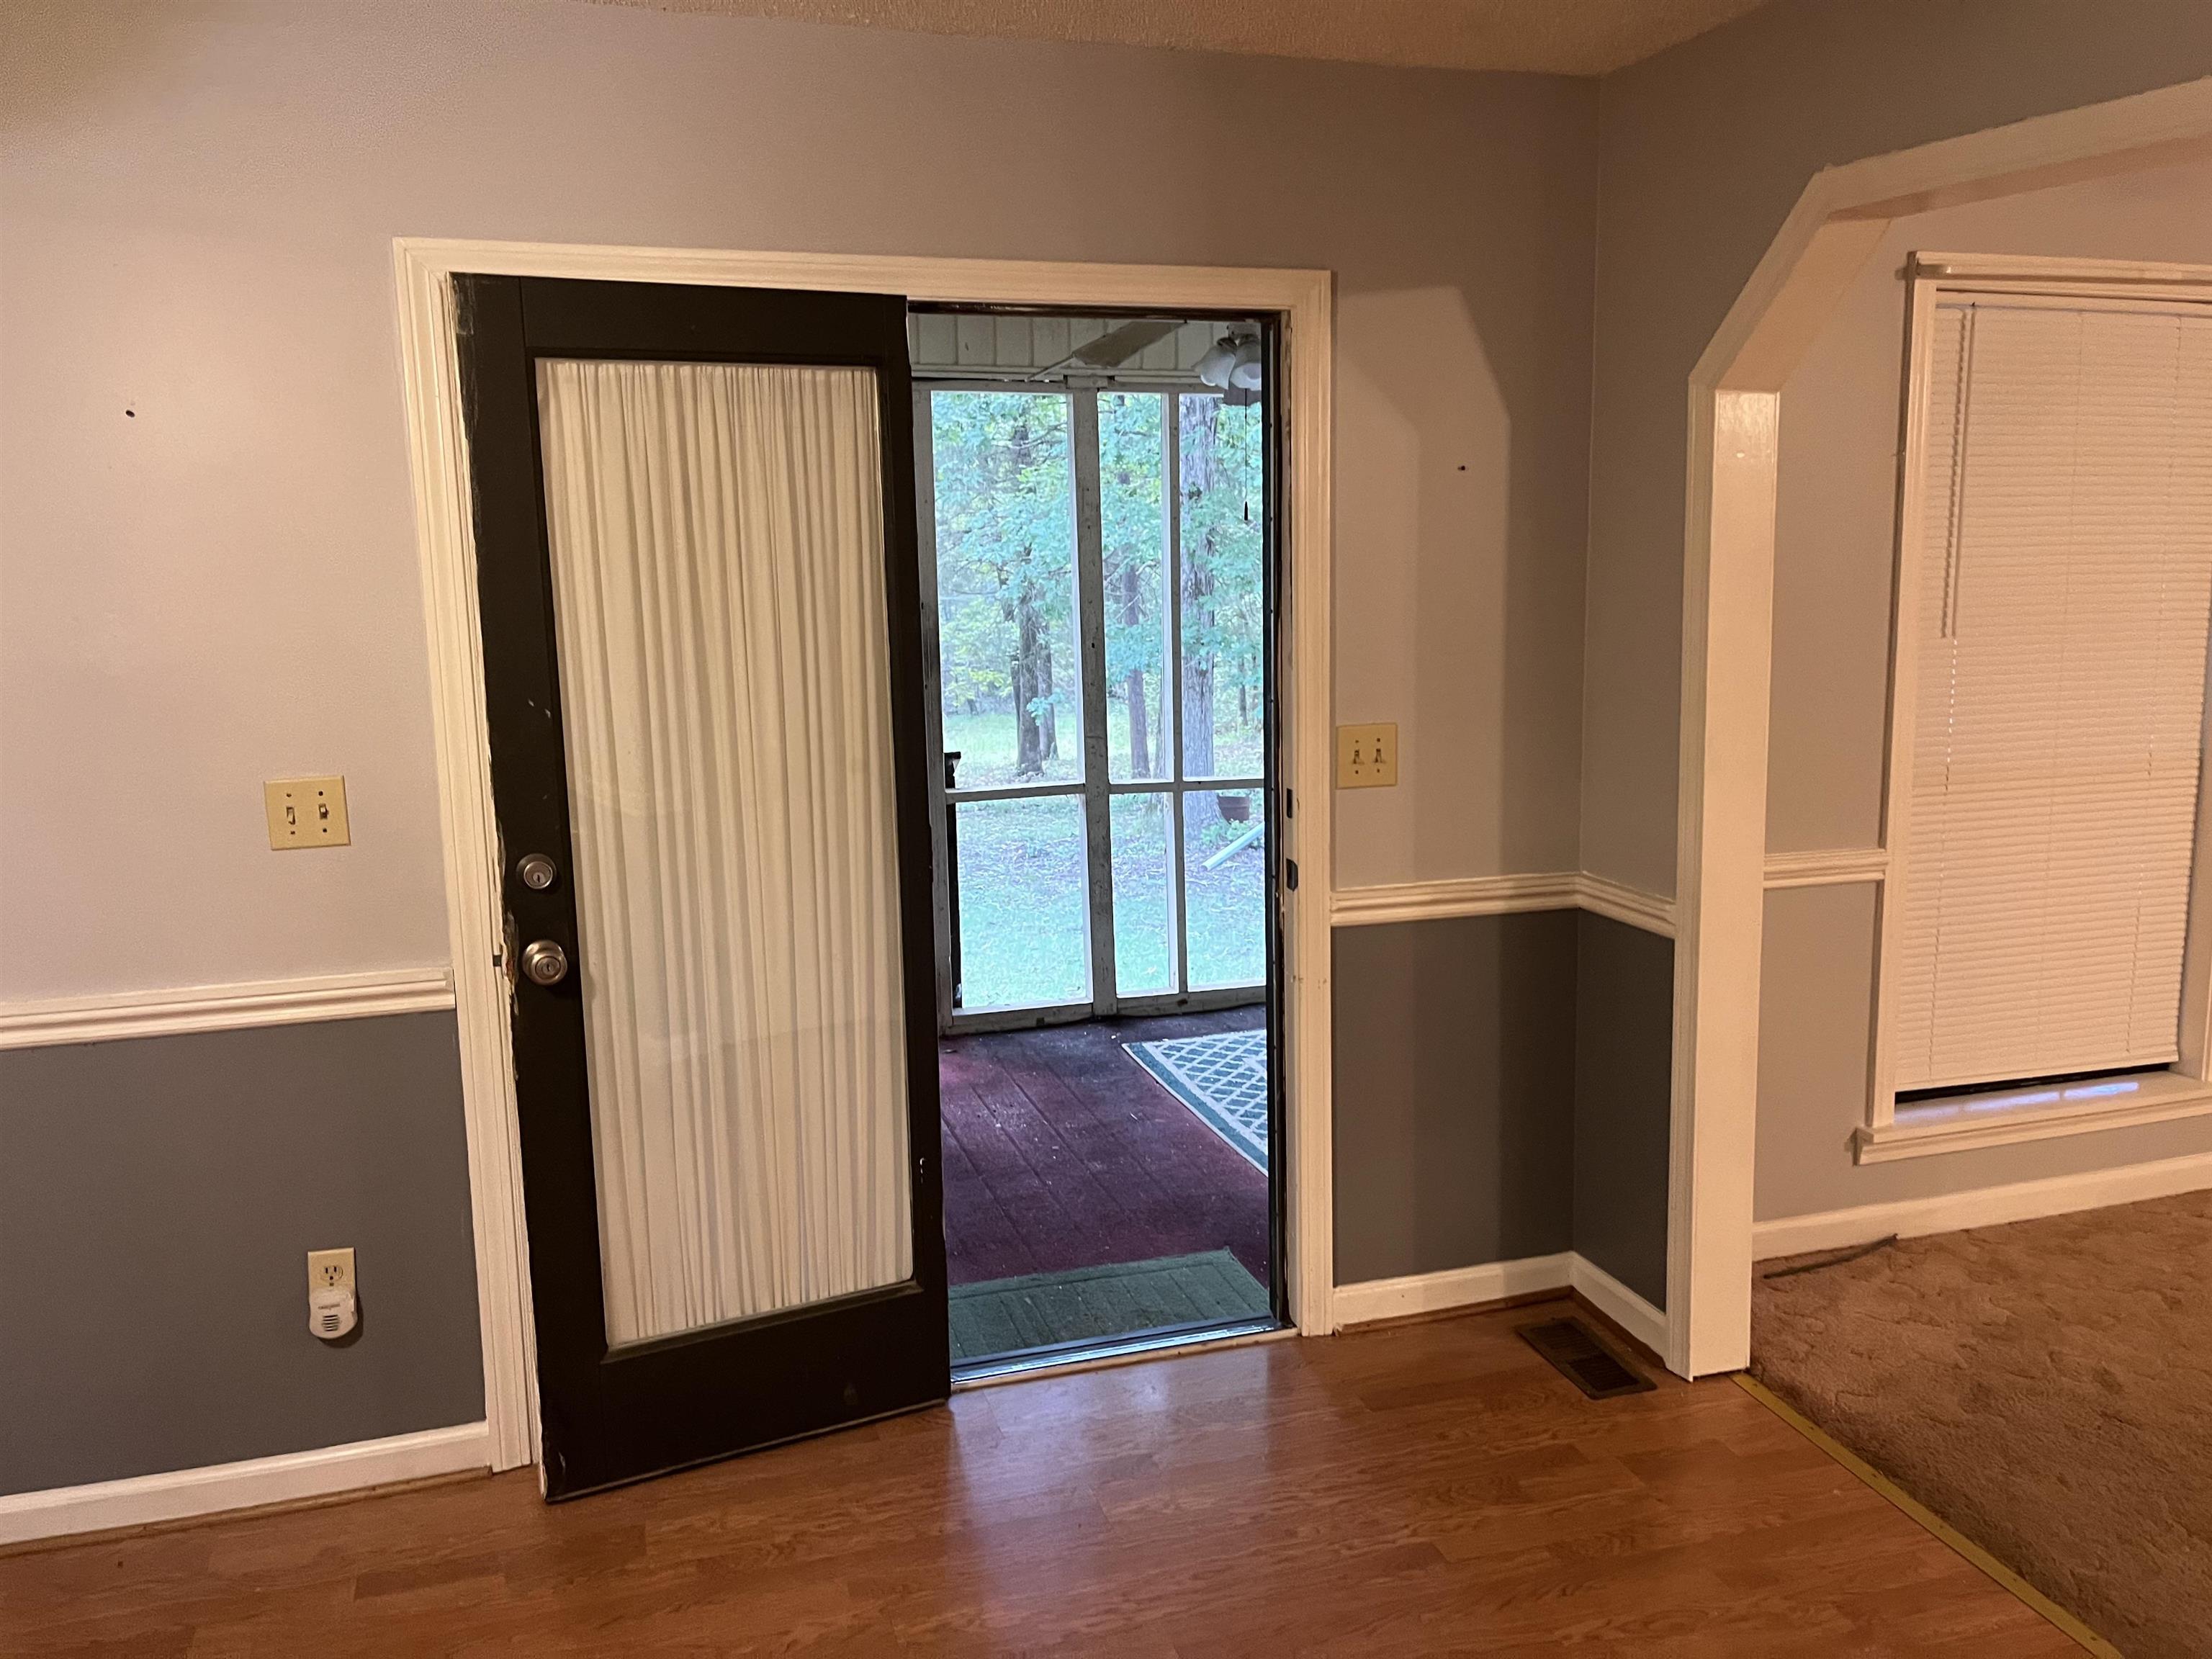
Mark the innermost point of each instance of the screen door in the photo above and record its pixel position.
(696, 557)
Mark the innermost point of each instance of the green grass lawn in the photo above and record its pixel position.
(1024, 932)
(986, 750)
(1025, 921)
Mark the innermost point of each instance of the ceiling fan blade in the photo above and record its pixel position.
(1117, 346)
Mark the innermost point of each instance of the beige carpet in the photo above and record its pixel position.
(2046, 1387)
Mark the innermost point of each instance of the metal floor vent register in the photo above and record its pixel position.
(1576, 1353)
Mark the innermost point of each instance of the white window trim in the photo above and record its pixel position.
(2073, 284)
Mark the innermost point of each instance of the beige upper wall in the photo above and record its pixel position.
(1703, 150)
(208, 567)
(1835, 513)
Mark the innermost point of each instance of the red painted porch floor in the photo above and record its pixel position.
(1060, 1152)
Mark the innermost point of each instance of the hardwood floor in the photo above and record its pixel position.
(1427, 1489)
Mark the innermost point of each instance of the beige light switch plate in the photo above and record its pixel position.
(1367, 756)
(306, 812)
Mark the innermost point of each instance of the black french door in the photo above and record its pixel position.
(703, 667)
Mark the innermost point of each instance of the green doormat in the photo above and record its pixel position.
(1006, 1315)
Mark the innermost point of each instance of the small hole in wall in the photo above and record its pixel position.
(133, 414)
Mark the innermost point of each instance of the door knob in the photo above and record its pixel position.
(545, 963)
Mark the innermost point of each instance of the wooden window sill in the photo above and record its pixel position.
(1963, 1122)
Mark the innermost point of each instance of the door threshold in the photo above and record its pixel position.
(1067, 1358)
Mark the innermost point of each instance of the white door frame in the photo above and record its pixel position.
(444, 528)
(1735, 410)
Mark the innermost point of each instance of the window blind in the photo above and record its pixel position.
(2064, 590)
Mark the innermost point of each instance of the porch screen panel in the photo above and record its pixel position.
(2065, 583)
(716, 537)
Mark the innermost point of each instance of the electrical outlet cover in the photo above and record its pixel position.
(330, 1270)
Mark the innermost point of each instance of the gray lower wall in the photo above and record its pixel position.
(1501, 1090)
(1816, 1015)
(1455, 1093)
(158, 1196)
(1624, 1084)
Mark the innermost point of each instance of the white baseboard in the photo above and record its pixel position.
(1493, 1281)
(1985, 1206)
(1460, 1287)
(224, 1007)
(1646, 1324)
(150, 1497)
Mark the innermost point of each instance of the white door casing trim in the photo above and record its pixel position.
(1734, 398)
(438, 454)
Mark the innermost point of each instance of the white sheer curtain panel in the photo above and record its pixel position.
(717, 541)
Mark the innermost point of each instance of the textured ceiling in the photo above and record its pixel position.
(1560, 37)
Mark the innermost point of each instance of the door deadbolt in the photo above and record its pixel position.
(544, 963)
(536, 872)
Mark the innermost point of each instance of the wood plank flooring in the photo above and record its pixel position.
(1060, 1152)
(1429, 1489)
